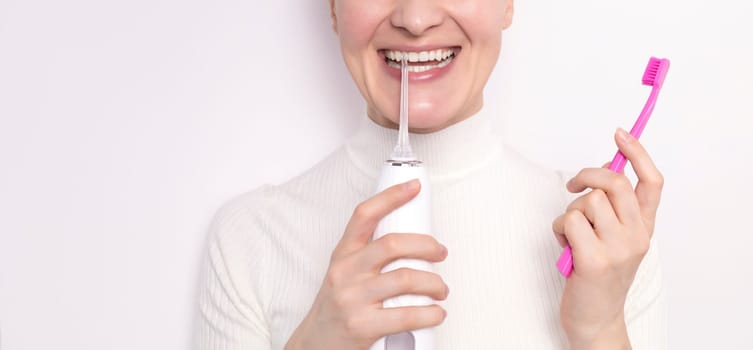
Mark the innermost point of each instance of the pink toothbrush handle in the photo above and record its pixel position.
(565, 262)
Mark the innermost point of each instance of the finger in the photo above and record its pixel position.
(405, 281)
(650, 180)
(596, 207)
(394, 246)
(576, 229)
(618, 188)
(407, 318)
(561, 239)
(367, 214)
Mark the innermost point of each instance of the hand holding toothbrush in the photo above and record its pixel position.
(609, 230)
(654, 75)
(606, 233)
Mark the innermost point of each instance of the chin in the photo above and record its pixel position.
(427, 122)
(433, 108)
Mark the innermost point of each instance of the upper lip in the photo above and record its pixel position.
(407, 48)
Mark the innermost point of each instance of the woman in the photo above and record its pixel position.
(293, 266)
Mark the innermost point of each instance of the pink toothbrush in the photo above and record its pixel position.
(654, 76)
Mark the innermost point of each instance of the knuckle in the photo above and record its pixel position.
(599, 194)
(569, 220)
(342, 298)
(615, 182)
(405, 278)
(335, 275)
(591, 199)
(571, 216)
(596, 197)
(354, 324)
(659, 180)
(390, 242)
(621, 182)
(362, 211)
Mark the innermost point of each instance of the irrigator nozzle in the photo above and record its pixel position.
(403, 151)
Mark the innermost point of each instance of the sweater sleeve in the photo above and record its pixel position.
(645, 307)
(230, 313)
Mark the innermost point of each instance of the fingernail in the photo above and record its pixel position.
(411, 185)
(444, 249)
(623, 135)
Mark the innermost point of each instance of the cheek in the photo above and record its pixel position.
(356, 23)
(482, 20)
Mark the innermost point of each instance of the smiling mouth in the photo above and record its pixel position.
(420, 61)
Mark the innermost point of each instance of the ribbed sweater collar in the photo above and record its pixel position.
(447, 154)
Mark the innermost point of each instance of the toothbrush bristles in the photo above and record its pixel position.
(653, 70)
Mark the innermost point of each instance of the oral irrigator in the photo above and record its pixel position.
(412, 217)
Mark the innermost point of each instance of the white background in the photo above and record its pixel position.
(125, 124)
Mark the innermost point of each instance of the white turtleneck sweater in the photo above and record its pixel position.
(269, 249)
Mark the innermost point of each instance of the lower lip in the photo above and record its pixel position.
(425, 76)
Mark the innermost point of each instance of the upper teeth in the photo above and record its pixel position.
(423, 56)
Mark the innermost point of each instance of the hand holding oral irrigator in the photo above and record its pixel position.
(413, 217)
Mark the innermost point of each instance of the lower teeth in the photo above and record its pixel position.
(418, 69)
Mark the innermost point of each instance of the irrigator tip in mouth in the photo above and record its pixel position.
(403, 151)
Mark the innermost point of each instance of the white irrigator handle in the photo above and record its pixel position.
(412, 217)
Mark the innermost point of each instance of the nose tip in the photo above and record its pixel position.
(417, 16)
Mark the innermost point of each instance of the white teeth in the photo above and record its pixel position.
(423, 56)
(423, 68)
(440, 58)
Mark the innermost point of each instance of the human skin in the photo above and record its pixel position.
(473, 28)
(608, 228)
